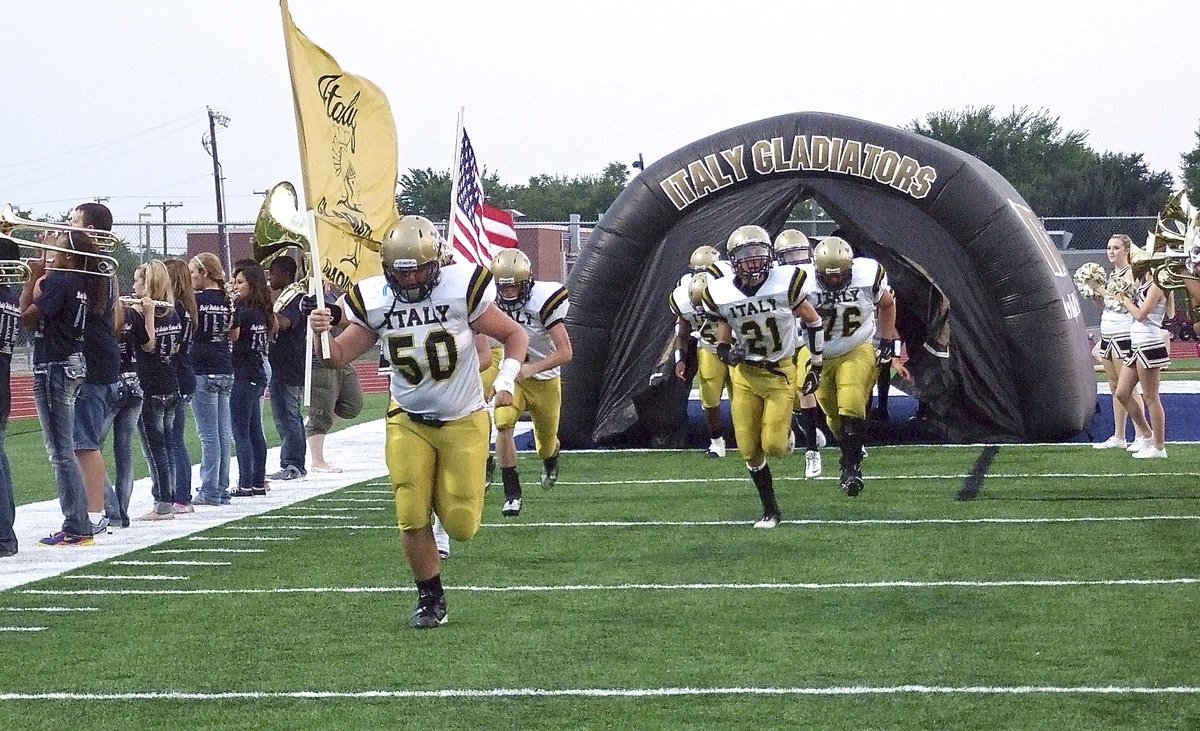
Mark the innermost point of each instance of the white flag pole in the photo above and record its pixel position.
(454, 176)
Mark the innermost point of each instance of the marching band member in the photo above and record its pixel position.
(253, 327)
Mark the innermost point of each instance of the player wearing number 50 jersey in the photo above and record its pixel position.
(426, 317)
(759, 306)
(850, 293)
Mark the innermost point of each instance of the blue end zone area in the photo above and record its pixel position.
(902, 428)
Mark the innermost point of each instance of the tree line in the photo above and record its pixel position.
(1054, 169)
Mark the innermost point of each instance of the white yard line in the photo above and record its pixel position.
(244, 538)
(359, 449)
(22, 629)
(171, 563)
(469, 693)
(209, 550)
(542, 589)
(49, 609)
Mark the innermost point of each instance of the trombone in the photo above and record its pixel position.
(106, 266)
(106, 241)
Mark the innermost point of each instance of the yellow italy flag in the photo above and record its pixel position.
(348, 154)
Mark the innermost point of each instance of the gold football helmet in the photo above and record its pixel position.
(750, 253)
(703, 257)
(792, 247)
(411, 251)
(696, 288)
(833, 260)
(514, 279)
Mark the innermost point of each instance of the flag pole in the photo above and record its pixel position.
(454, 182)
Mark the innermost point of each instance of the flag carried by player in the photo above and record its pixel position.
(348, 155)
(476, 231)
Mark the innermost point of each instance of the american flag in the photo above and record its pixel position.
(477, 230)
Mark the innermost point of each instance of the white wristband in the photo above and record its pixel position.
(506, 379)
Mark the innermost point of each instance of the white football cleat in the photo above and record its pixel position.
(717, 448)
(511, 507)
(812, 464)
(768, 521)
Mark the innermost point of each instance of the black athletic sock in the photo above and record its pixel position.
(808, 417)
(512, 483)
(429, 589)
(551, 464)
(766, 488)
(852, 439)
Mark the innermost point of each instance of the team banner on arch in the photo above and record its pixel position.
(348, 154)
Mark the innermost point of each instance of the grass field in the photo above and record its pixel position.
(636, 595)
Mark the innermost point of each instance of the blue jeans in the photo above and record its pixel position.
(8, 508)
(285, 410)
(179, 452)
(245, 405)
(210, 404)
(127, 411)
(54, 391)
(158, 418)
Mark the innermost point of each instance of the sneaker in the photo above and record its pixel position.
(291, 472)
(1140, 443)
(179, 508)
(205, 500)
(327, 468)
(769, 520)
(1151, 452)
(100, 527)
(511, 507)
(429, 614)
(717, 448)
(812, 464)
(245, 492)
(66, 540)
(155, 515)
(550, 472)
(260, 490)
(1113, 442)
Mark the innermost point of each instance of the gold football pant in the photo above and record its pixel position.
(713, 375)
(439, 470)
(761, 405)
(846, 383)
(803, 366)
(543, 401)
(488, 375)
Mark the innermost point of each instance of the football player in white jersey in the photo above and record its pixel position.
(691, 323)
(427, 316)
(539, 307)
(793, 248)
(851, 294)
(760, 306)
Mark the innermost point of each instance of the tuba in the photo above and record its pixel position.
(280, 225)
(10, 222)
(1173, 246)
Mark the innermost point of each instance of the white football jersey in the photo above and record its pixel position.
(704, 329)
(849, 313)
(430, 344)
(545, 308)
(763, 322)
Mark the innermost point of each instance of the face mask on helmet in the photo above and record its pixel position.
(412, 283)
(513, 295)
(793, 256)
(751, 263)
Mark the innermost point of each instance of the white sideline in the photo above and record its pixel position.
(358, 450)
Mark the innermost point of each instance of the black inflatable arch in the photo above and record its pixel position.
(1019, 367)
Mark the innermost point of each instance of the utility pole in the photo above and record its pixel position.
(144, 231)
(164, 206)
(209, 141)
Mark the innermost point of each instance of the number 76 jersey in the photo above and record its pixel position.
(429, 344)
(849, 313)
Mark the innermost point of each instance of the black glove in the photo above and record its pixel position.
(729, 355)
(888, 349)
(811, 381)
(308, 305)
